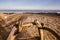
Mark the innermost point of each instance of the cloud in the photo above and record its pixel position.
(29, 7)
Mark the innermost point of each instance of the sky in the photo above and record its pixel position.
(30, 4)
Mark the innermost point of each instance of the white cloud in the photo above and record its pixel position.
(28, 7)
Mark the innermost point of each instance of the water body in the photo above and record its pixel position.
(33, 11)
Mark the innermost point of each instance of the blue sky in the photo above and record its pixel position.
(30, 4)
